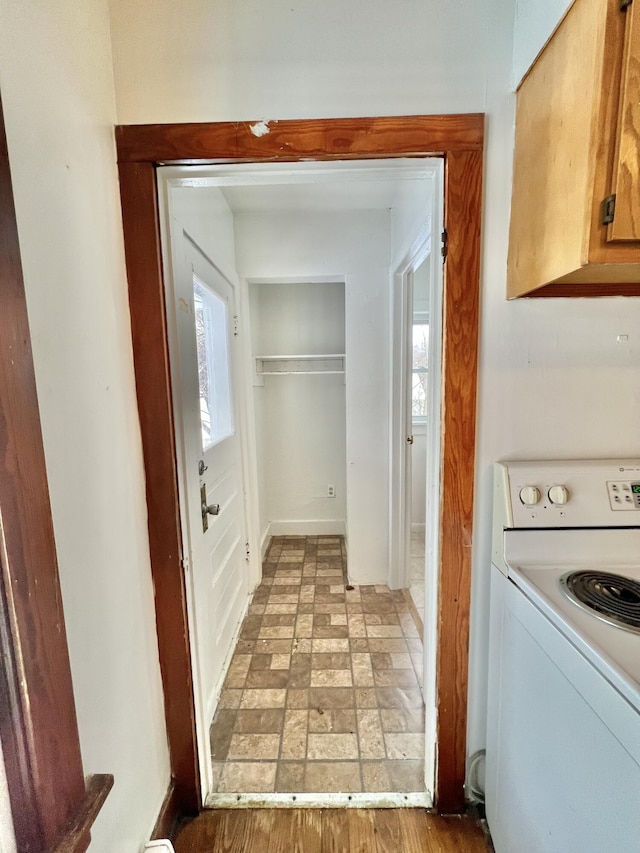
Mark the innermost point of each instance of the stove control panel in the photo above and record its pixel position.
(547, 494)
(624, 494)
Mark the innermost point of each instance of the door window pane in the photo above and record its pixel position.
(212, 339)
(420, 370)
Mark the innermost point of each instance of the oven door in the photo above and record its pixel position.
(563, 746)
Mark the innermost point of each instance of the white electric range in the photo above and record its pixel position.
(563, 738)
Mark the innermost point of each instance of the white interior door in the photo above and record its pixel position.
(211, 478)
(408, 430)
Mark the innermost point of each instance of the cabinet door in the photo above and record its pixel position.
(626, 166)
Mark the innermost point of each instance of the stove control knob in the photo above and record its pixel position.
(529, 495)
(558, 495)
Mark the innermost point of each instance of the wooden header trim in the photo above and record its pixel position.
(297, 139)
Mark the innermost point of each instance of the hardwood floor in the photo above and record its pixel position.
(330, 831)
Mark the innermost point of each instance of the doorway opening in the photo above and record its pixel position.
(458, 140)
(319, 691)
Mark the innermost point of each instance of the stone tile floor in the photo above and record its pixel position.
(417, 569)
(322, 693)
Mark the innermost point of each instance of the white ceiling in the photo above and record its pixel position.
(312, 186)
(332, 196)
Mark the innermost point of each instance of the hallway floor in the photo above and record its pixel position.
(416, 574)
(322, 693)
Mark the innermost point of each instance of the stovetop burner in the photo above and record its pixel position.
(611, 597)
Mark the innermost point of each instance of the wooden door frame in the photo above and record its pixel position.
(52, 805)
(459, 140)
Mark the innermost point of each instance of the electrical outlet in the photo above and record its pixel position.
(331, 491)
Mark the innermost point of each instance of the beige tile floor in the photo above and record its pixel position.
(322, 693)
(416, 581)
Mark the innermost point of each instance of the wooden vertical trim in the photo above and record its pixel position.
(168, 816)
(153, 385)
(459, 139)
(38, 723)
(463, 194)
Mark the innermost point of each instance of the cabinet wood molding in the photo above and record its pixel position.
(576, 153)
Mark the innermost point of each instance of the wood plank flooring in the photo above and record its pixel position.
(330, 831)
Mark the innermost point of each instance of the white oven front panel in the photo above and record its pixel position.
(563, 749)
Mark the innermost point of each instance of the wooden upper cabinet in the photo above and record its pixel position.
(577, 146)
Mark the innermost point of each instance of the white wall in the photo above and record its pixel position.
(205, 215)
(535, 21)
(353, 246)
(57, 89)
(301, 419)
(224, 61)
(410, 216)
(304, 450)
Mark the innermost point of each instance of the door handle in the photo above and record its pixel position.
(207, 509)
(409, 439)
(211, 509)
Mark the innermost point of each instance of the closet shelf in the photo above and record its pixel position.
(284, 365)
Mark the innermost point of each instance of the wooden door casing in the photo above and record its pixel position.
(51, 806)
(459, 140)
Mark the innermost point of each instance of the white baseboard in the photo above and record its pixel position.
(213, 705)
(266, 539)
(310, 527)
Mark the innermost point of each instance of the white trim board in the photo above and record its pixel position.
(264, 542)
(392, 800)
(266, 174)
(211, 710)
(310, 527)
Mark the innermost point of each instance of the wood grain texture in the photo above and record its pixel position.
(151, 361)
(330, 831)
(603, 147)
(76, 836)
(552, 169)
(561, 288)
(301, 832)
(463, 193)
(564, 162)
(169, 815)
(297, 139)
(38, 723)
(362, 830)
(335, 831)
(324, 139)
(387, 830)
(626, 178)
